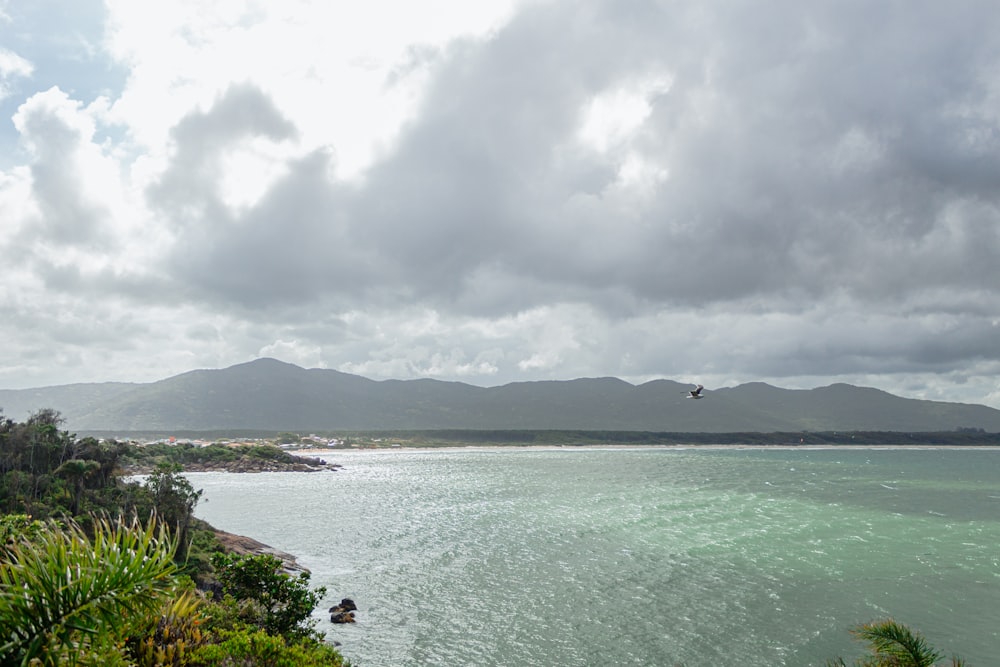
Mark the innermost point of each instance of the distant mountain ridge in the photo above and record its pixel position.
(272, 395)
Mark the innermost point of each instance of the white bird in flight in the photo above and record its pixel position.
(696, 392)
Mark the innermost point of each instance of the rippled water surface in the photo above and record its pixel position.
(658, 556)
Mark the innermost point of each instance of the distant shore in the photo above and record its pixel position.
(502, 448)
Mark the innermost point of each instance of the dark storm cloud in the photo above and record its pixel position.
(813, 150)
(284, 248)
(291, 246)
(476, 184)
(835, 163)
(809, 148)
(188, 189)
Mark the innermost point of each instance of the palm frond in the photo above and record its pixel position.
(60, 591)
(897, 643)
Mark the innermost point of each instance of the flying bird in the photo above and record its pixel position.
(696, 392)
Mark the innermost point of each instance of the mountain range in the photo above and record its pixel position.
(271, 395)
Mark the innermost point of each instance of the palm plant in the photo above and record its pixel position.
(77, 471)
(64, 597)
(168, 639)
(893, 644)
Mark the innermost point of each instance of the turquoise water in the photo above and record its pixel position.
(581, 556)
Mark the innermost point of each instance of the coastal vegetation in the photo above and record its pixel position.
(99, 568)
(215, 456)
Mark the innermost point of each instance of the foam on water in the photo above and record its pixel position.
(634, 557)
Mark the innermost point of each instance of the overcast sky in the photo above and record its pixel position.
(799, 193)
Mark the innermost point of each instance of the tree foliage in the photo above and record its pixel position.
(269, 598)
(46, 472)
(174, 499)
(64, 595)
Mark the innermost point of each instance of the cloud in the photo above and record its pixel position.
(307, 356)
(73, 222)
(66, 166)
(12, 67)
(207, 146)
(746, 201)
(799, 193)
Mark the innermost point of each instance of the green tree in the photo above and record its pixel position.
(76, 471)
(271, 599)
(29, 453)
(65, 599)
(893, 644)
(174, 499)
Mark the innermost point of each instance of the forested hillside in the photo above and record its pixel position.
(273, 396)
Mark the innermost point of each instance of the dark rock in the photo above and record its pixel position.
(242, 545)
(343, 612)
(347, 604)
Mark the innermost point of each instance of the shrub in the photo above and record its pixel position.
(237, 648)
(169, 639)
(272, 600)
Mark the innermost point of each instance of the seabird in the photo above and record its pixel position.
(696, 392)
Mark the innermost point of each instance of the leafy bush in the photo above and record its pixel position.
(174, 498)
(267, 452)
(266, 596)
(15, 528)
(236, 648)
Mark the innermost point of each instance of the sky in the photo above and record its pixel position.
(798, 193)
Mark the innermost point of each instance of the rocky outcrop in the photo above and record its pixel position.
(248, 464)
(242, 545)
(343, 612)
(251, 464)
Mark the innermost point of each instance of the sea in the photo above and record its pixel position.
(654, 556)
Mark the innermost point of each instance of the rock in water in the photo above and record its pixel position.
(343, 612)
(347, 604)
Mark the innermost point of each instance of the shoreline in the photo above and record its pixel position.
(503, 448)
(244, 545)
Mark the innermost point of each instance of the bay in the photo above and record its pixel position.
(635, 556)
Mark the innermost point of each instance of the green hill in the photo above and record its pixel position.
(275, 396)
